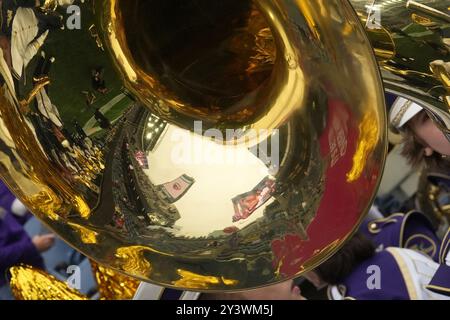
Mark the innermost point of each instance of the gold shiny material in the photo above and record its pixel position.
(113, 285)
(29, 283)
(133, 261)
(208, 145)
(425, 9)
(202, 282)
(87, 236)
(429, 198)
(412, 42)
(368, 138)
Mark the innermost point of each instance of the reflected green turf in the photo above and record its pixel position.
(76, 55)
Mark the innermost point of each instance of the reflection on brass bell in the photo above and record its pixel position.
(212, 145)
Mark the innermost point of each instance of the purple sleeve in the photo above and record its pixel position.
(419, 235)
(22, 251)
(24, 219)
(6, 201)
(6, 198)
(441, 281)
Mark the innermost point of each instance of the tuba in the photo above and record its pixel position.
(200, 145)
(411, 40)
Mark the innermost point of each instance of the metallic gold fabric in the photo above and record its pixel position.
(28, 283)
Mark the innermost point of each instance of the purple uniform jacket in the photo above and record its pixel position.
(15, 244)
(393, 287)
(411, 231)
(391, 274)
(441, 280)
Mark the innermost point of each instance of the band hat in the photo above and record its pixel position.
(402, 111)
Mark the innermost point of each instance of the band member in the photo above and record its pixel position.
(424, 142)
(43, 103)
(89, 97)
(98, 81)
(79, 130)
(8, 10)
(357, 271)
(422, 139)
(26, 30)
(25, 42)
(101, 119)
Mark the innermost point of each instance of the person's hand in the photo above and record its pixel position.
(44, 242)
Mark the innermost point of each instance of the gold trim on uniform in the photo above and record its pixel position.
(439, 288)
(373, 224)
(402, 228)
(433, 244)
(397, 119)
(405, 273)
(444, 247)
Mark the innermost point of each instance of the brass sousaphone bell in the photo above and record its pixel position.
(203, 145)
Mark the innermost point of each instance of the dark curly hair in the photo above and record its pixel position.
(341, 264)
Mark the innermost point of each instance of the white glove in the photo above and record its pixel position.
(18, 208)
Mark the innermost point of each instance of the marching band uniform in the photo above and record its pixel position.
(24, 41)
(43, 103)
(412, 230)
(27, 30)
(403, 111)
(403, 275)
(47, 108)
(441, 279)
(8, 10)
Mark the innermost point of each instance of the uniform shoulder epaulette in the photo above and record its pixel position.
(412, 230)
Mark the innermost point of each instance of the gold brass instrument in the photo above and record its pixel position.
(29, 283)
(203, 145)
(411, 40)
(430, 196)
(113, 285)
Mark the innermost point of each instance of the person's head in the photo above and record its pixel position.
(356, 250)
(423, 141)
(286, 290)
